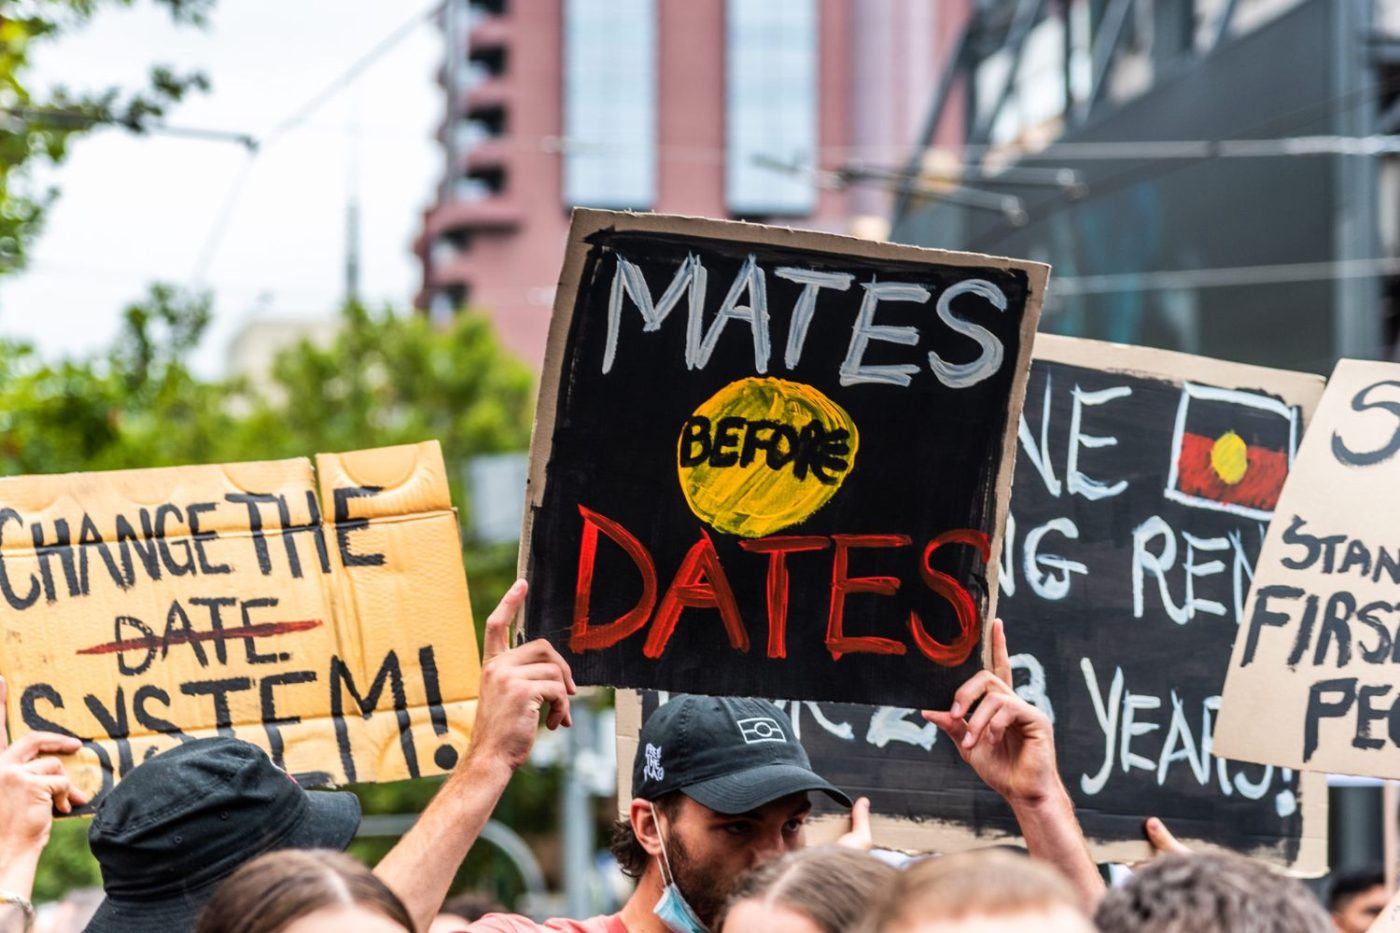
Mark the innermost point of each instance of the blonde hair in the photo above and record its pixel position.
(988, 882)
(830, 886)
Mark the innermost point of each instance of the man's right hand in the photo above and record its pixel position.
(32, 786)
(516, 684)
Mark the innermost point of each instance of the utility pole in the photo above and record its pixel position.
(352, 250)
(352, 205)
(577, 811)
(452, 62)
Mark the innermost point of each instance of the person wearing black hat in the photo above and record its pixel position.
(185, 820)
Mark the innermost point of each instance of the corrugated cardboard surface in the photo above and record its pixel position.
(347, 634)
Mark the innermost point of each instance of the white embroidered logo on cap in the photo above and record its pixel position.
(653, 770)
(761, 729)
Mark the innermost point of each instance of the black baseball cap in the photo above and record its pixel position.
(730, 754)
(185, 820)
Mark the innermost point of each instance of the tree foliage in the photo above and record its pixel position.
(37, 127)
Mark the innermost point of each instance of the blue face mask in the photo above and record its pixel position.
(672, 909)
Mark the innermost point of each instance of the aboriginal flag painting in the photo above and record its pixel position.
(1231, 450)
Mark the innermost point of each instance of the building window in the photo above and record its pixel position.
(610, 103)
(771, 107)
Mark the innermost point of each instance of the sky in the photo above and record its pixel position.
(133, 210)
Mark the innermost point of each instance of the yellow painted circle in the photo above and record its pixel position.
(1229, 455)
(762, 454)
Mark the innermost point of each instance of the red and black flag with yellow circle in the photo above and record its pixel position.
(1231, 450)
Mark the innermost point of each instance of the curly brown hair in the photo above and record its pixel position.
(627, 848)
(1210, 892)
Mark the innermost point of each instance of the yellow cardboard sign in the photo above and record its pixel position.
(323, 617)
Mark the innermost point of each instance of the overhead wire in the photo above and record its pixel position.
(293, 121)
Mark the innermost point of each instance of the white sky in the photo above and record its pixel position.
(132, 210)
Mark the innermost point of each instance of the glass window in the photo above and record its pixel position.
(771, 107)
(610, 103)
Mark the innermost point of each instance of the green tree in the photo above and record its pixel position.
(136, 405)
(36, 128)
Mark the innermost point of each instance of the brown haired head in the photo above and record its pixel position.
(275, 890)
(830, 886)
(1210, 892)
(985, 883)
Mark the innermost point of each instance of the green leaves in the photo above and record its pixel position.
(38, 128)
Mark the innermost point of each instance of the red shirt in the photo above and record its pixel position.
(514, 923)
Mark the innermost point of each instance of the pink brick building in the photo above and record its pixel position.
(723, 108)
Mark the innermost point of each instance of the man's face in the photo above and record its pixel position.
(710, 851)
(1357, 914)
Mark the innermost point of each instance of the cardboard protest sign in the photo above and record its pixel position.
(1123, 578)
(1389, 919)
(323, 617)
(1312, 682)
(772, 461)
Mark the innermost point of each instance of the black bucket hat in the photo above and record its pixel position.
(185, 820)
(730, 754)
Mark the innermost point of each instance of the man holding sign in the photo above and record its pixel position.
(720, 787)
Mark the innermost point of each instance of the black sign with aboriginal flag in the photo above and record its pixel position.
(1121, 603)
(773, 462)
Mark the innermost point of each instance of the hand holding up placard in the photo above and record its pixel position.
(522, 683)
(32, 786)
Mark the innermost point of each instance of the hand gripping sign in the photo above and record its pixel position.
(771, 462)
(321, 616)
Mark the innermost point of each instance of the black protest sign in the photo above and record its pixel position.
(1312, 682)
(770, 461)
(1145, 485)
(1125, 569)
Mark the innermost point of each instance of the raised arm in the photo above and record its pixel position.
(1011, 746)
(516, 684)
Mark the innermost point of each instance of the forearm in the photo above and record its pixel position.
(1053, 835)
(18, 865)
(420, 868)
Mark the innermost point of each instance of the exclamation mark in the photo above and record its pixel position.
(1286, 802)
(446, 756)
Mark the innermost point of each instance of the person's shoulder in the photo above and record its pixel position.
(514, 923)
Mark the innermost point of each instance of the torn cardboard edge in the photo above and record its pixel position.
(1178, 368)
(411, 478)
(584, 223)
(915, 837)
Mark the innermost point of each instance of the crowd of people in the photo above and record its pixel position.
(212, 837)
